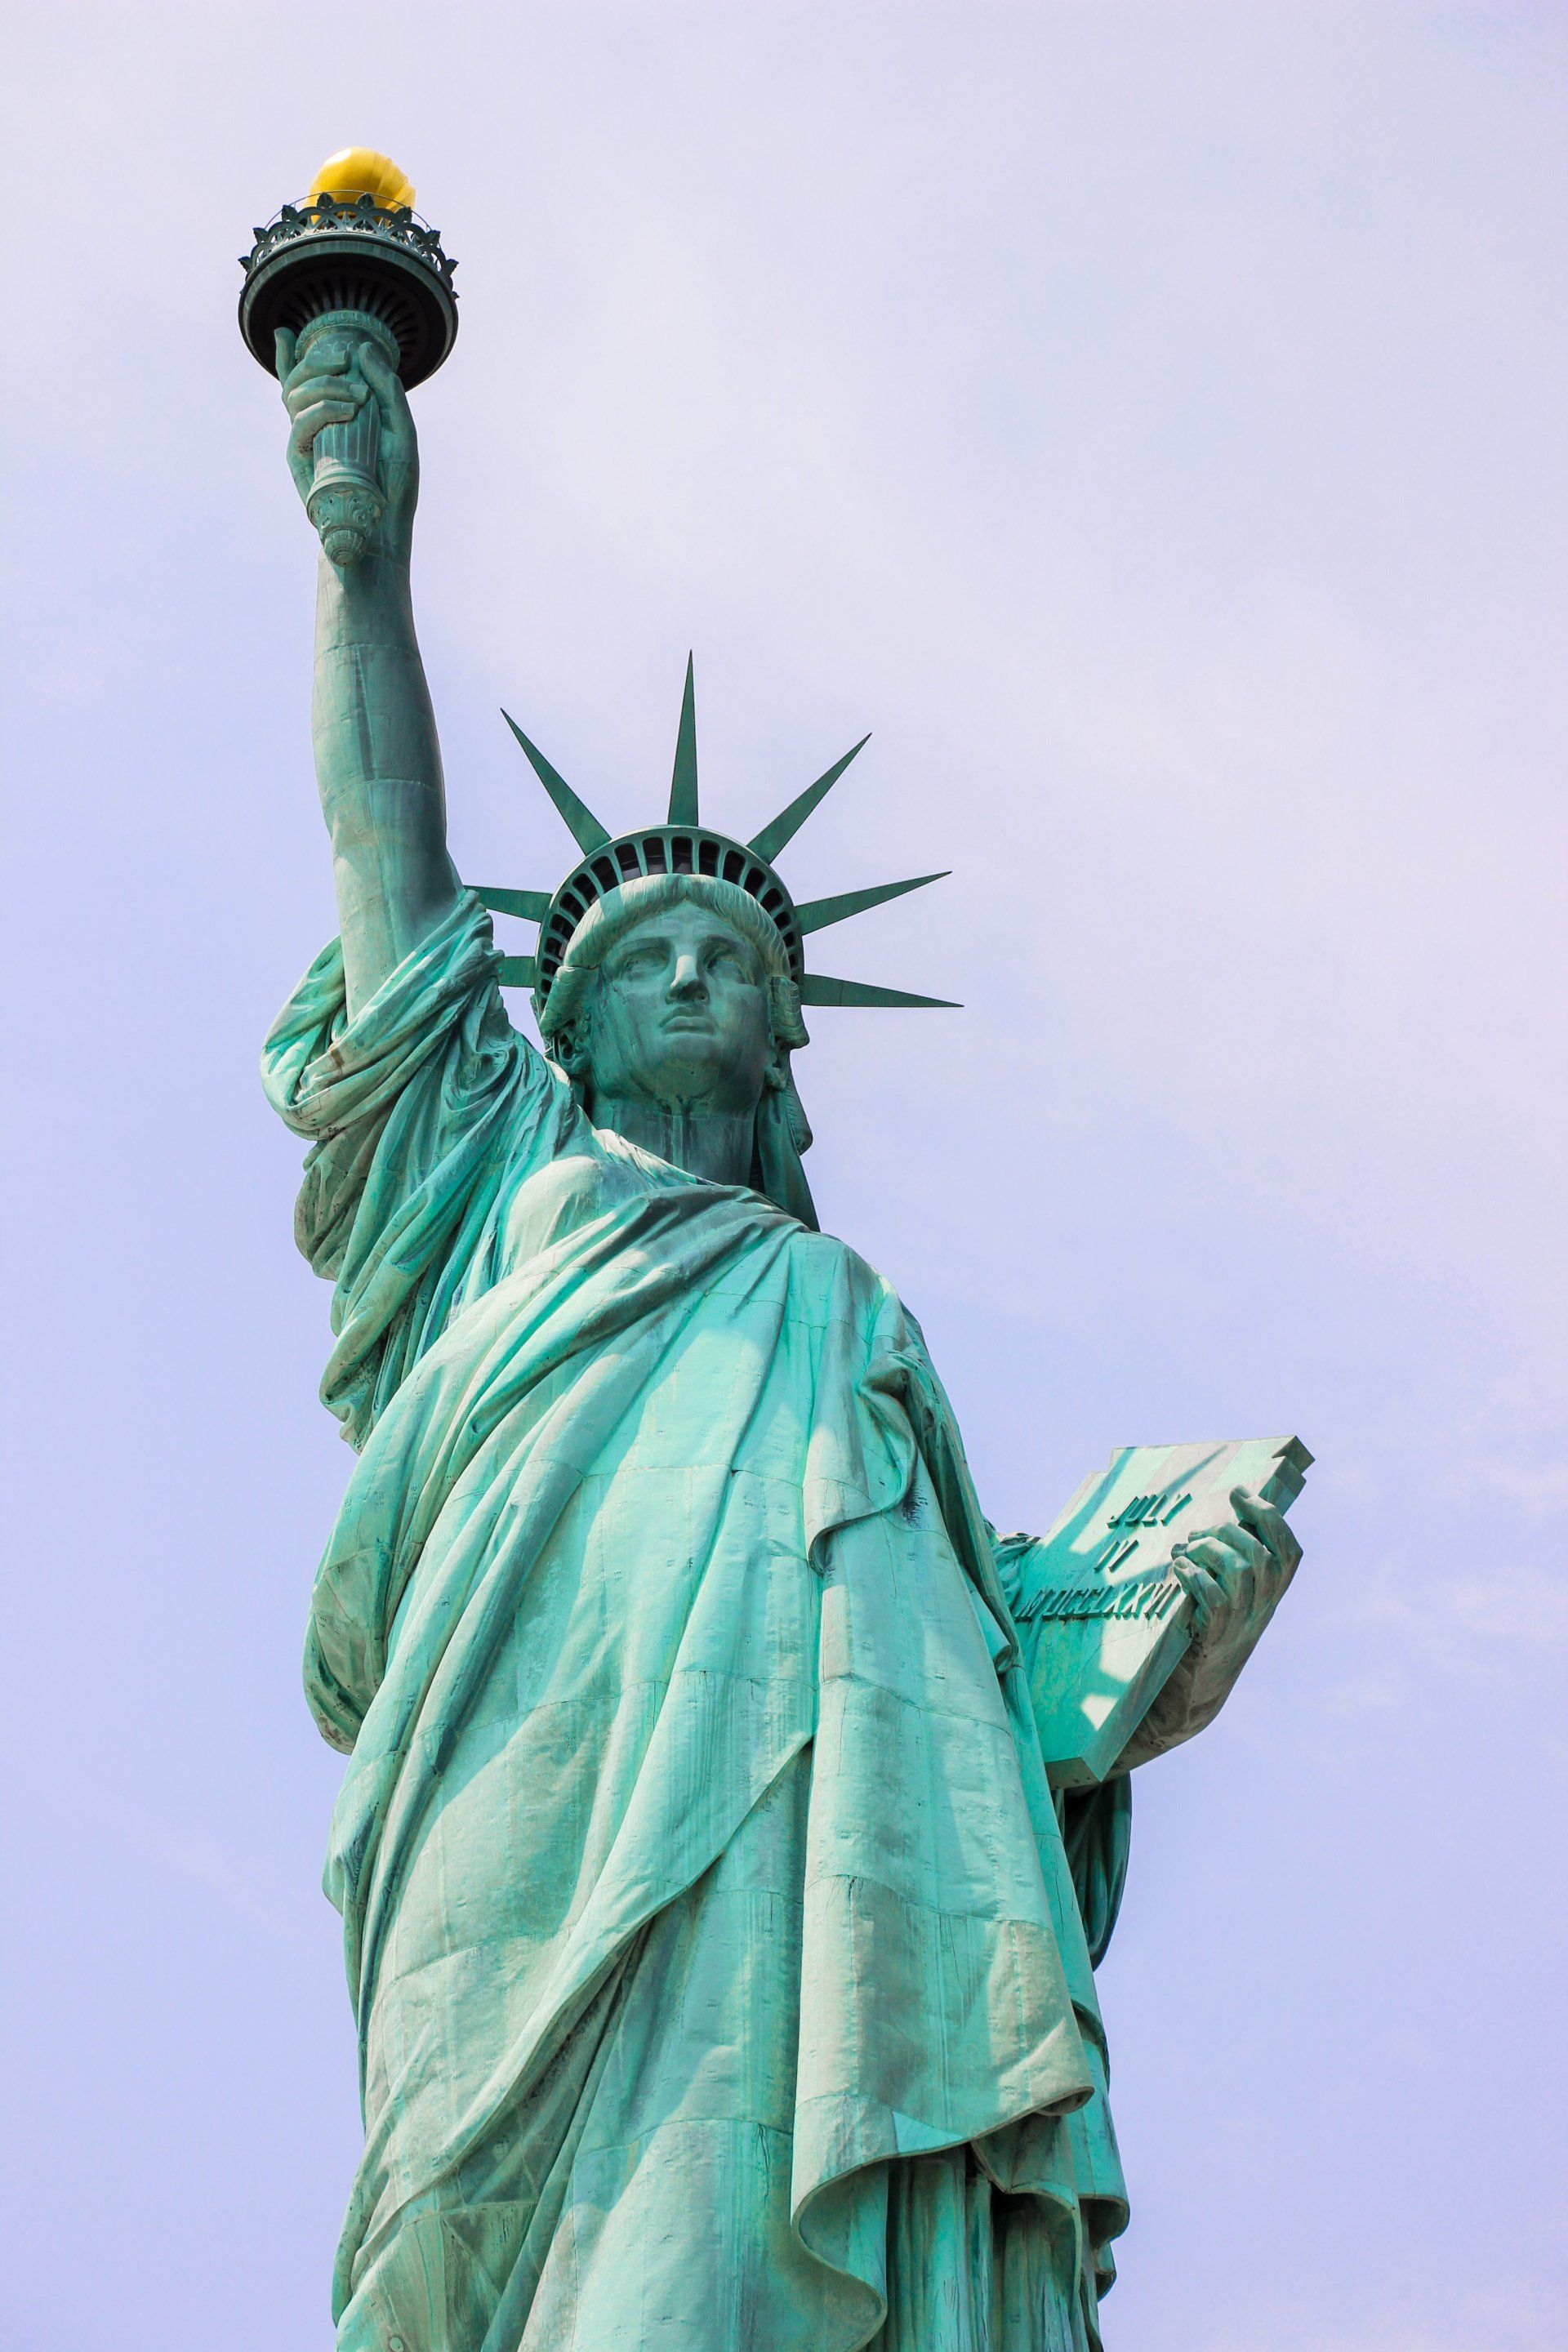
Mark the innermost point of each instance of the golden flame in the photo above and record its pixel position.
(356, 172)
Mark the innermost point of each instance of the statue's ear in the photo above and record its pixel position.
(569, 1049)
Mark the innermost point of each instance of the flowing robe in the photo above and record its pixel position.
(718, 1969)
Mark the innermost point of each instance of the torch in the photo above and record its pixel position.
(353, 264)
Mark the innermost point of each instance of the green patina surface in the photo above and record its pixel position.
(722, 1957)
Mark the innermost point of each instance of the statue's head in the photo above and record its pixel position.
(676, 991)
(670, 970)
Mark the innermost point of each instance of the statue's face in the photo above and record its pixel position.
(679, 1017)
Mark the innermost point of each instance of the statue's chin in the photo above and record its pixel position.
(697, 1102)
(668, 1095)
(695, 1076)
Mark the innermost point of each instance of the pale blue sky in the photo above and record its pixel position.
(1150, 423)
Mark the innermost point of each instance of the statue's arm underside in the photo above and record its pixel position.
(1096, 1823)
(1183, 1708)
(378, 765)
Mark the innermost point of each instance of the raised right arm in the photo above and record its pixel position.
(378, 764)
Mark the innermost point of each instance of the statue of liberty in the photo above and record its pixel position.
(723, 1958)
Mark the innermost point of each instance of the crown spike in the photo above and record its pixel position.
(532, 905)
(580, 821)
(516, 971)
(817, 913)
(683, 782)
(787, 824)
(817, 989)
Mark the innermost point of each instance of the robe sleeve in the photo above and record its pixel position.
(418, 1111)
(1096, 1823)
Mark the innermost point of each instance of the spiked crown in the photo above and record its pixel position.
(684, 844)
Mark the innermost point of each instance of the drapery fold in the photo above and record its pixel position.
(654, 1572)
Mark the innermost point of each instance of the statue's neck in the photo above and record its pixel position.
(715, 1144)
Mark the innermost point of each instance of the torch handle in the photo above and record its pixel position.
(345, 501)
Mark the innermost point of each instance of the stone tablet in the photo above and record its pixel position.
(1108, 1618)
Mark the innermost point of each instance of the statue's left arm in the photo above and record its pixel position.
(1234, 1576)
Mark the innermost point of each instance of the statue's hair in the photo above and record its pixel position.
(605, 925)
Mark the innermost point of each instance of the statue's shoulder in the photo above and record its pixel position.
(837, 1269)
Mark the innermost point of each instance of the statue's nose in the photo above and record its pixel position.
(687, 977)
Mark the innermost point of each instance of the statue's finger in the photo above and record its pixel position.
(1221, 1530)
(330, 361)
(1231, 1533)
(1212, 1598)
(316, 389)
(311, 388)
(312, 421)
(1268, 1524)
(1210, 1583)
(282, 355)
(1253, 1511)
(1215, 1553)
(335, 399)
(1204, 1592)
(385, 381)
(1253, 1548)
